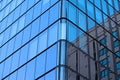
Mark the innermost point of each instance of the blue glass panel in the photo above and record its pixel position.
(18, 41)
(23, 55)
(30, 70)
(40, 65)
(26, 34)
(82, 21)
(28, 17)
(1, 70)
(51, 57)
(51, 75)
(21, 73)
(98, 15)
(3, 52)
(15, 60)
(42, 42)
(90, 10)
(35, 28)
(44, 21)
(72, 13)
(37, 10)
(7, 67)
(81, 5)
(33, 48)
(45, 4)
(21, 23)
(54, 13)
(30, 3)
(16, 13)
(52, 32)
(14, 29)
(72, 33)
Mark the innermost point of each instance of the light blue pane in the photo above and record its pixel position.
(40, 65)
(91, 23)
(28, 17)
(21, 23)
(30, 3)
(6, 35)
(37, 10)
(97, 3)
(30, 70)
(44, 21)
(7, 67)
(98, 15)
(51, 75)
(1, 70)
(111, 10)
(116, 4)
(23, 7)
(10, 47)
(16, 13)
(90, 10)
(54, 13)
(1, 39)
(81, 5)
(72, 33)
(52, 34)
(72, 13)
(15, 60)
(82, 21)
(33, 48)
(18, 41)
(26, 34)
(45, 4)
(42, 42)
(13, 29)
(104, 6)
(35, 28)
(3, 52)
(51, 57)
(23, 55)
(21, 73)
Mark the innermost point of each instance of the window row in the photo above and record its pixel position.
(38, 44)
(33, 12)
(33, 69)
(38, 25)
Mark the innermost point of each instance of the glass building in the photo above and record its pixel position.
(59, 39)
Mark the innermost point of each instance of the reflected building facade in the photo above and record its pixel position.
(59, 40)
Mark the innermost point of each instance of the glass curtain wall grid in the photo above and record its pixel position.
(59, 40)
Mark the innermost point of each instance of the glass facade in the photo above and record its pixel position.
(59, 40)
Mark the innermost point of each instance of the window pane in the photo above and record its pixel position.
(44, 21)
(33, 48)
(54, 13)
(52, 34)
(21, 73)
(30, 70)
(21, 23)
(42, 42)
(15, 60)
(23, 55)
(35, 28)
(51, 75)
(51, 57)
(40, 65)
(26, 34)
